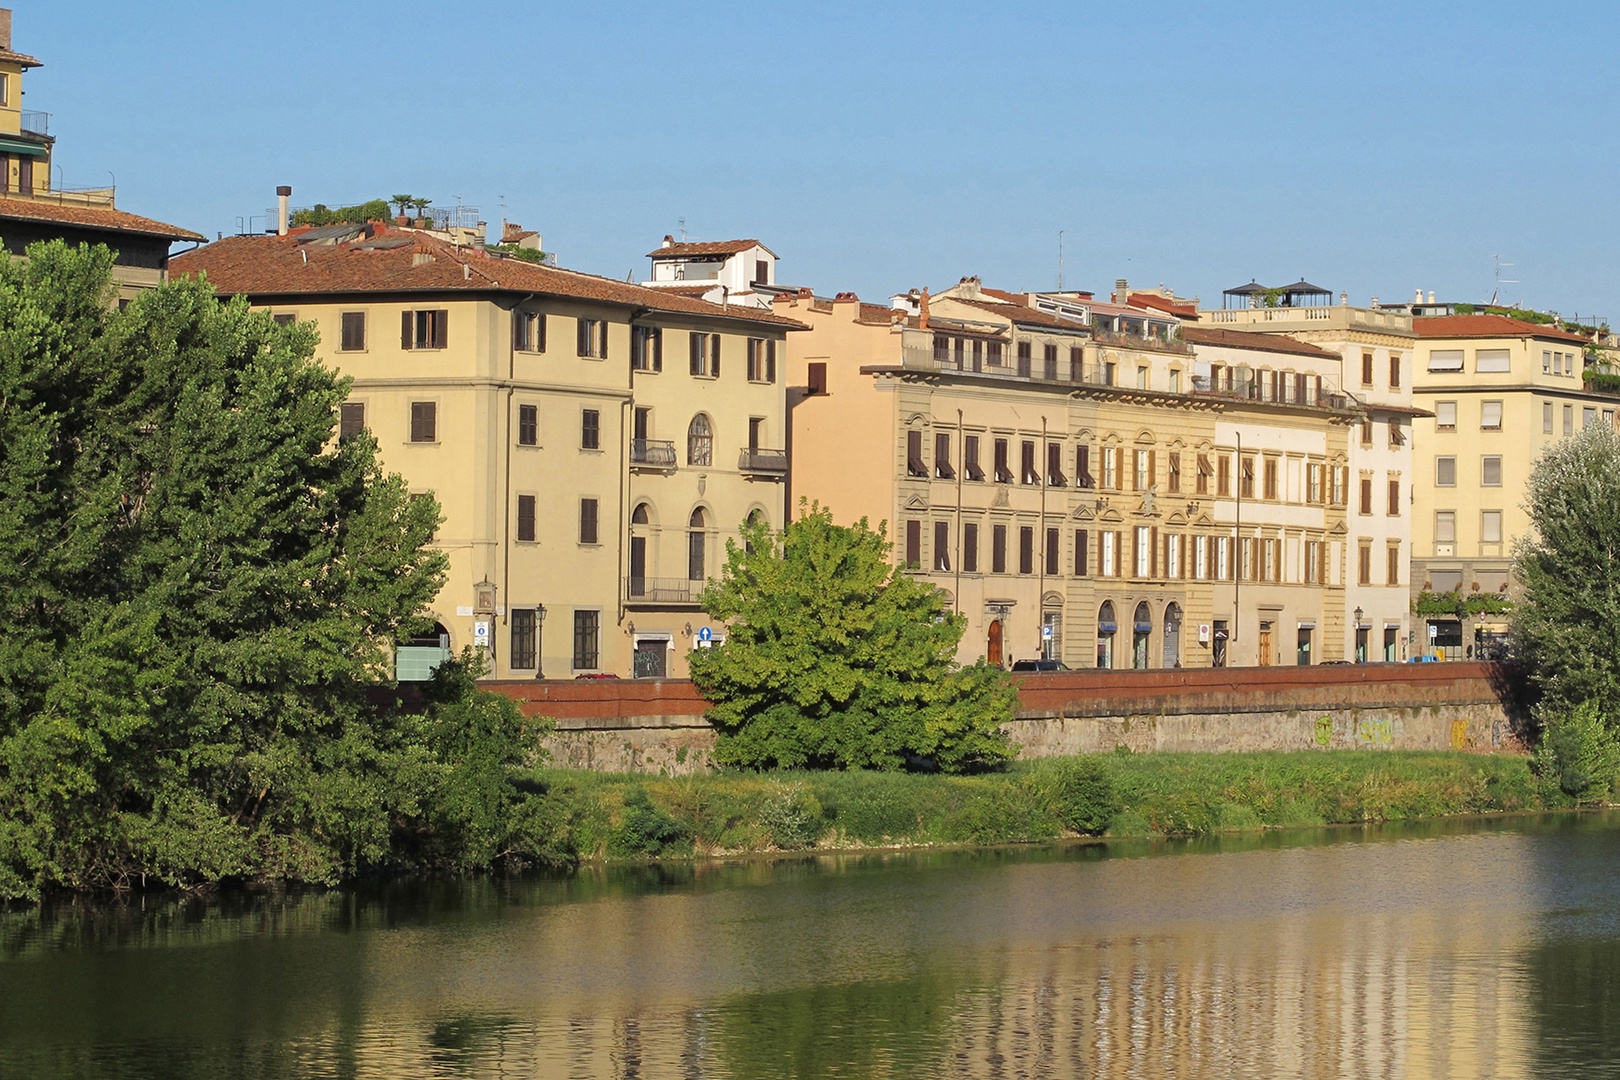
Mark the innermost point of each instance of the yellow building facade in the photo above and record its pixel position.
(592, 444)
(1501, 391)
(1077, 489)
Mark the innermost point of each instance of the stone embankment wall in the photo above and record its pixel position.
(658, 726)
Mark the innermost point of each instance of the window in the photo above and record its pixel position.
(942, 456)
(1223, 557)
(1366, 369)
(1445, 526)
(1546, 362)
(756, 432)
(1397, 436)
(762, 272)
(1366, 431)
(942, 545)
(5, 89)
(646, 348)
(525, 518)
(1223, 475)
(1082, 468)
(1490, 470)
(1201, 485)
(1026, 550)
(942, 348)
(528, 331)
(1054, 549)
(1246, 478)
(697, 545)
(1141, 378)
(970, 549)
(1049, 357)
(1445, 472)
(1247, 557)
(1366, 494)
(1024, 364)
(593, 338)
(1588, 416)
(1270, 478)
(1492, 360)
(1030, 473)
(587, 631)
(590, 430)
(992, 353)
(1077, 367)
(1392, 564)
(1003, 470)
(1081, 555)
(1445, 359)
(1445, 415)
(424, 421)
(913, 553)
(704, 350)
(915, 465)
(1054, 466)
(528, 425)
(1144, 551)
(587, 521)
(970, 458)
(423, 329)
(817, 379)
(1313, 482)
(1268, 551)
(761, 360)
(1546, 418)
(351, 419)
(1569, 419)
(286, 318)
(1143, 471)
(998, 549)
(1313, 561)
(1175, 470)
(978, 355)
(1394, 371)
(1364, 563)
(1490, 416)
(699, 441)
(1490, 526)
(1394, 498)
(1110, 467)
(353, 325)
(522, 638)
(1341, 482)
(1109, 566)
(1172, 556)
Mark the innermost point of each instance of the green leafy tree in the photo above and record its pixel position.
(836, 659)
(200, 587)
(1567, 625)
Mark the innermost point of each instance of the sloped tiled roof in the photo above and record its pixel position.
(404, 261)
(714, 247)
(1240, 339)
(1162, 303)
(1016, 313)
(20, 59)
(1488, 326)
(90, 217)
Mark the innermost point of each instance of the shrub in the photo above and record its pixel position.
(792, 816)
(1578, 756)
(646, 831)
(1081, 793)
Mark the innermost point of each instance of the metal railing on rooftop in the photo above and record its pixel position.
(37, 123)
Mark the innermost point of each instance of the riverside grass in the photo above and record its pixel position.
(617, 816)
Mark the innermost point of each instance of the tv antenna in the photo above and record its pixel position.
(1060, 260)
(681, 225)
(1500, 280)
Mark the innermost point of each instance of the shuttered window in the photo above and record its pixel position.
(424, 329)
(424, 421)
(354, 331)
(525, 518)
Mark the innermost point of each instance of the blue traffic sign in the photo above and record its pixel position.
(705, 634)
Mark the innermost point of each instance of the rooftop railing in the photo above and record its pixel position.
(37, 123)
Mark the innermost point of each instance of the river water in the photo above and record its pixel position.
(1488, 948)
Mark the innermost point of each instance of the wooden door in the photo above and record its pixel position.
(993, 652)
(1265, 648)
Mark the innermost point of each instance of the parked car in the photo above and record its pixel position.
(1039, 665)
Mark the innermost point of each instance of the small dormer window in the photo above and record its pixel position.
(762, 272)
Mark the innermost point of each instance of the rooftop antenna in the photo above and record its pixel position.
(682, 223)
(1500, 280)
(1060, 260)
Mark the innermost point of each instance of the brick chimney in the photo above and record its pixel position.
(5, 28)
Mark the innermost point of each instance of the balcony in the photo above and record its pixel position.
(763, 462)
(662, 592)
(1333, 317)
(36, 123)
(1286, 391)
(1137, 341)
(652, 454)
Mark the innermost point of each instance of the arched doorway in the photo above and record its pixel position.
(1141, 635)
(1172, 635)
(697, 546)
(1107, 627)
(640, 521)
(993, 644)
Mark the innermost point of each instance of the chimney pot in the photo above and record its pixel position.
(669, 241)
(282, 193)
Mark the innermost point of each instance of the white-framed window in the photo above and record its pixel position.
(1223, 557)
(1445, 471)
(1445, 416)
(1110, 553)
(1144, 551)
(1569, 419)
(1445, 359)
(1546, 418)
(1201, 557)
(1172, 557)
(1490, 526)
(1445, 526)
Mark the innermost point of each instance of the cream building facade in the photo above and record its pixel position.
(592, 444)
(1375, 350)
(1500, 392)
(1056, 464)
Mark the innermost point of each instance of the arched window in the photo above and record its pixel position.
(1107, 626)
(638, 516)
(756, 517)
(1172, 635)
(700, 441)
(1141, 634)
(639, 519)
(696, 545)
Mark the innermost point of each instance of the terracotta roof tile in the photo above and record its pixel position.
(20, 59)
(291, 266)
(1015, 313)
(1241, 339)
(1488, 326)
(714, 247)
(1161, 303)
(90, 217)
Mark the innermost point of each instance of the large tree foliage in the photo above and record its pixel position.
(833, 658)
(1567, 625)
(199, 589)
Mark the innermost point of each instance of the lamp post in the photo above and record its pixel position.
(540, 641)
(1361, 655)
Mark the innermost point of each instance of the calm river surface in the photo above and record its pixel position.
(1477, 949)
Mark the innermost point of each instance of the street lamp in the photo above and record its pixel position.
(1360, 649)
(1358, 613)
(540, 641)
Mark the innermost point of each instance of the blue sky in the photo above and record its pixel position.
(1369, 147)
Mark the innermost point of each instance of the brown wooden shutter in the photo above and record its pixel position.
(770, 361)
(441, 325)
(714, 361)
(913, 543)
(695, 342)
(1119, 471)
(1082, 467)
(539, 342)
(407, 327)
(525, 518)
(1153, 546)
(1153, 467)
(1080, 553)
